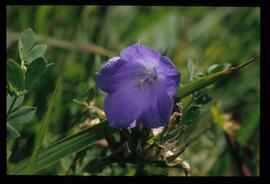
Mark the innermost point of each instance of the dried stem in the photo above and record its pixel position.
(241, 164)
(55, 42)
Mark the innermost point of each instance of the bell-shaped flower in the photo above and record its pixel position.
(140, 84)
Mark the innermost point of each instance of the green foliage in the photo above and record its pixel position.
(250, 126)
(15, 76)
(205, 81)
(12, 105)
(22, 115)
(191, 115)
(221, 165)
(201, 98)
(35, 70)
(63, 148)
(36, 52)
(26, 41)
(90, 94)
(27, 49)
(20, 79)
(16, 104)
(43, 130)
(12, 132)
(81, 38)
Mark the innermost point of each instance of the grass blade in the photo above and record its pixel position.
(63, 148)
(206, 81)
(43, 129)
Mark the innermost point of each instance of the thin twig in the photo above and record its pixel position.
(55, 42)
(241, 164)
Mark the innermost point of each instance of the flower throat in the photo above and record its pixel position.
(148, 76)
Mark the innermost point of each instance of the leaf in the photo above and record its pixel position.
(26, 41)
(191, 115)
(9, 102)
(43, 129)
(12, 103)
(36, 52)
(206, 81)
(201, 98)
(15, 75)
(12, 132)
(22, 115)
(34, 72)
(27, 50)
(18, 102)
(63, 148)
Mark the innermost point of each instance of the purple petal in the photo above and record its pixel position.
(116, 72)
(140, 53)
(124, 107)
(159, 110)
(169, 74)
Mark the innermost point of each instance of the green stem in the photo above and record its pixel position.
(188, 105)
(22, 63)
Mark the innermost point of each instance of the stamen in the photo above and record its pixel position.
(147, 76)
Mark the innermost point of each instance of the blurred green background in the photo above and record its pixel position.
(81, 38)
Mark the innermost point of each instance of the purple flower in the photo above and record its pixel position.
(140, 85)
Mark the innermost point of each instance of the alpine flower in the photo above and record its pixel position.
(140, 84)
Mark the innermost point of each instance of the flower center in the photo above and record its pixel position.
(147, 76)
